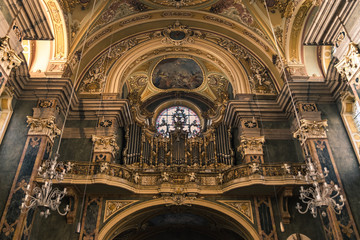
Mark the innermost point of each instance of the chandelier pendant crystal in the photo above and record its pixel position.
(46, 197)
(321, 195)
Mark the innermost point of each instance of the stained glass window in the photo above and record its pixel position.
(178, 117)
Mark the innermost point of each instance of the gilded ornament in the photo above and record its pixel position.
(311, 129)
(179, 3)
(43, 126)
(114, 206)
(349, 65)
(251, 145)
(242, 206)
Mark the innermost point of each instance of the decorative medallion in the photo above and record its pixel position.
(114, 206)
(242, 206)
(178, 34)
(177, 73)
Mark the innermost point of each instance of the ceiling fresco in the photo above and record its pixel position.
(177, 73)
(239, 37)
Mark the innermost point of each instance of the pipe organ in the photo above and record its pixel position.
(146, 148)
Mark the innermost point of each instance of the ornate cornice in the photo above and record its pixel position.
(311, 129)
(43, 126)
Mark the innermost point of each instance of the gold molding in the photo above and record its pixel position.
(111, 226)
(242, 206)
(114, 206)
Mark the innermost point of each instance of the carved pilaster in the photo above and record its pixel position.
(15, 224)
(251, 143)
(8, 60)
(251, 148)
(105, 148)
(312, 134)
(311, 130)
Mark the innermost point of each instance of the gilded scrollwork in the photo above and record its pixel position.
(242, 206)
(178, 34)
(311, 129)
(219, 85)
(43, 126)
(8, 58)
(105, 144)
(251, 145)
(349, 65)
(114, 206)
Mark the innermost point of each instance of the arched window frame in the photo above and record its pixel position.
(190, 113)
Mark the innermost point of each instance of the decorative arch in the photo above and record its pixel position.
(50, 56)
(133, 33)
(111, 226)
(236, 74)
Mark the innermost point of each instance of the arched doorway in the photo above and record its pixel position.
(198, 219)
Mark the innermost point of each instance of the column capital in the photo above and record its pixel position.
(251, 145)
(43, 126)
(311, 129)
(104, 146)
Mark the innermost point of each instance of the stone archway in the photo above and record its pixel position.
(216, 218)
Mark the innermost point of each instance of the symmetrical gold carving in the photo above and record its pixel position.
(261, 81)
(114, 206)
(152, 177)
(251, 145)
(178, 196)
(178, 34)
(242, 206)
(311, 129)
(349, 65)
(104, 146)
(43, 126)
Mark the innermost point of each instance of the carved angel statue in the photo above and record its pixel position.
(286, 168)
(221, 178)
(136, 177)
(192, 177)
(104, 167)
(165, 176)
(254, 167)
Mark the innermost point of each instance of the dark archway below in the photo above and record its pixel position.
(179, 225)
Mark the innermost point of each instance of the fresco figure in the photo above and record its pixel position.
(177, 73)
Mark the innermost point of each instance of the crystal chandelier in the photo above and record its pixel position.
(321, 195)
(46, 197)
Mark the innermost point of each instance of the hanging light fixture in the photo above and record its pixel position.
(321, 195)
(46, 197)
